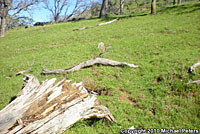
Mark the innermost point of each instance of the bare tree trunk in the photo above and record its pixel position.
(174, 2)
(179, 1)
(3, 14)
(121, 6)
(3, 26)
(153, 7)
(103, 9)
(56, 19)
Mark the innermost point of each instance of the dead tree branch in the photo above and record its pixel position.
(89, 63)
(48, 108)
(194, 82)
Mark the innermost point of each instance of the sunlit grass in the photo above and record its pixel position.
(163, 46)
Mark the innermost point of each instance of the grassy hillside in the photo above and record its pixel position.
(156, 95)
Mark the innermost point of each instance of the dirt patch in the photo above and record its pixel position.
(90, 85)
(177, 76)
(95, 72)
(55, 45)
(153, 111)
(43, 29)
(158, 79)
(168, 31)
(104, 91)
(126, 98)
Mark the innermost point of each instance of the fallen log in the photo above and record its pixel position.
(45, 108)
(109, 22)
(192, 68)
(89, 63)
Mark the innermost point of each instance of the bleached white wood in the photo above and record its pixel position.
(45, 108)
(109, 22)
(89, 63)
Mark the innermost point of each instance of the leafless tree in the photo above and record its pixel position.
(121, 6)
(95, 8)
(153, 7)
(56, 7)
(60, 8)
(103, 9)
(13, 8)
(174, 2)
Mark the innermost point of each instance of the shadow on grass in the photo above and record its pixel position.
(111, 17)
(108, 18)
(12, 99)
(180, 9)
(93, 121)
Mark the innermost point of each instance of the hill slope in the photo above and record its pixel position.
(153, 96)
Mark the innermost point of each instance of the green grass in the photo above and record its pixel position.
(164, 46)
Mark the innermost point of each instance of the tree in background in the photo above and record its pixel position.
(174, 2)
(59, 8)
(103, 9)
(56, 7)
(17, 21)
(153, 7)
(13, 8)
(112, 7)
(95, 8)
(121, 6)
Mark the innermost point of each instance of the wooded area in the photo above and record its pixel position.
(11, 11)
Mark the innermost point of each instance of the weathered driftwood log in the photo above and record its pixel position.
(89, 63)
(45, 108)
(109, 22)
(192, 68)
